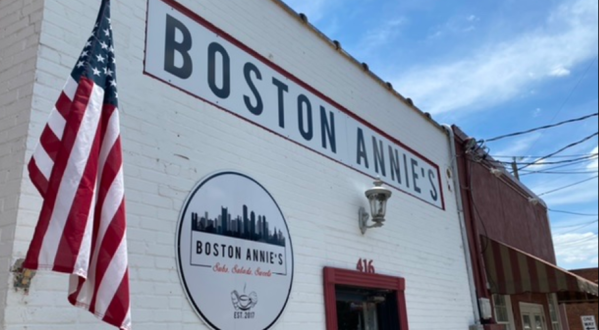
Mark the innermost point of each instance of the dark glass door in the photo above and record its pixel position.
(363, 309)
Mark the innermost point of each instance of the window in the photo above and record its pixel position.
(503, 311)
(361, 301)
(554, 311)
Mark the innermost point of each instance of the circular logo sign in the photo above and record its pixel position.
(234, 253)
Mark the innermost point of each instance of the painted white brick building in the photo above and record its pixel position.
(173, 139)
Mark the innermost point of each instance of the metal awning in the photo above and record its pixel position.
(511, 271)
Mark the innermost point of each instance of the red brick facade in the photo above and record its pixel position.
(576, 311)
(497, 206)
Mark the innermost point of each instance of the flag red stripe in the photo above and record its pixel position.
(108, 248)
(63, 105)
(113, 162)
(50, 142)
(110, 170)
(73, 296)
(78, 170)
(51, 145)
(73, 124)
(74, 230)
(39, 180)
(119, 306)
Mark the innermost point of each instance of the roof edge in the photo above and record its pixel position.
(336, 45)
(490, 161)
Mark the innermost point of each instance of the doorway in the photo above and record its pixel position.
(366, 309)
(361, 301)
(533, 317)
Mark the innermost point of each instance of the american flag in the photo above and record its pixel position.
(78, 169)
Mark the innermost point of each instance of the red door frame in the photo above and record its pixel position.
(334, 277)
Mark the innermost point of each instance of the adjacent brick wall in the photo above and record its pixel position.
(530, 298)
(499, 207)
(20, 25)
(172, 140)
(575, 311)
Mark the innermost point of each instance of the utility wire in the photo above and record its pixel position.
(525, 157)
(569, 161)
(577, 242)
(561, 108)
(558, 167)
(563, 149)
(578, 227)
(562, 173)
(568, 186)
(574, 213)
(542, 128)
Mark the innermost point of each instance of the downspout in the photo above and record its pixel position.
(460, 202)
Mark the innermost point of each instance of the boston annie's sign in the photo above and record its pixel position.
(185, 51)
(235, 255)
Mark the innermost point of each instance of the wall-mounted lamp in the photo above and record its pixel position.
(377, 198)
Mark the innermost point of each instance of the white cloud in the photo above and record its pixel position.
(560, 72)
(456, 25)
(383, 34)
(500, 71)
(473, 18)
(595, 164)
(538, 112)
(574, 250)
(518, 146)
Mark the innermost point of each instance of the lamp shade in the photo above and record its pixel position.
(377, 198)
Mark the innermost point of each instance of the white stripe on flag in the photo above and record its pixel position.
(72, 177)
(82, 262)
(70, 88)
(113, 201)
(110, 138)
(113, 278)
(43, 161)
(57, 122)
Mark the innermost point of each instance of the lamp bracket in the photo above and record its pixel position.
(363, 217)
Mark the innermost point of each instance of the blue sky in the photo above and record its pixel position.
(493, 67)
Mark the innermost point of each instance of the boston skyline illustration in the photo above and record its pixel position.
(246, 227)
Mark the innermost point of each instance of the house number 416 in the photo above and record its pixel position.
(366, 266)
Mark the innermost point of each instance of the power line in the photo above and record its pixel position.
(563, 149)
(569, 161)
(542, 128)
(561, 108)
(574, 213)
(568, 186)
(577, 242)
(563, 156)
(562, 173)
(578, 227)
(559, 167)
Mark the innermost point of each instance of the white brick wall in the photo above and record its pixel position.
(172, 140)
(20, 22)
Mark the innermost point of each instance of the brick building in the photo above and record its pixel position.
(576, 310)
(512, 251)
(258, 92)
